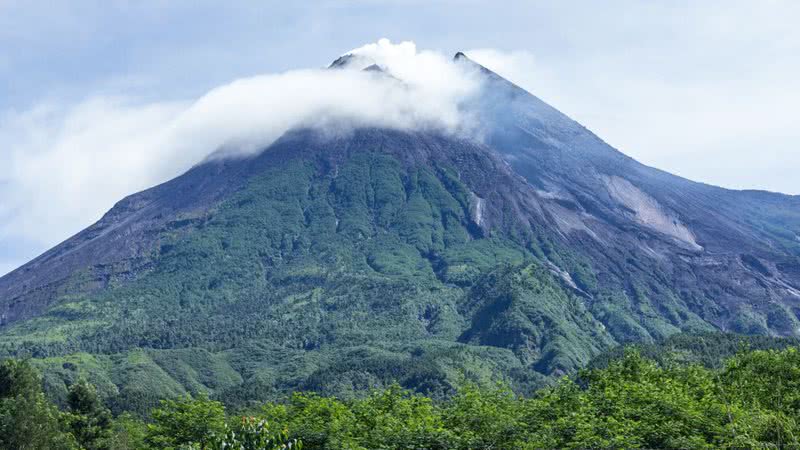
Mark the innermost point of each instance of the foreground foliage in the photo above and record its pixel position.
(751, 401)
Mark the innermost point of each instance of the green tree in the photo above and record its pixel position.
(321, 422)
(485, 418)
(633, 403)
(254, 434)
(128, 433)
(187, 421)
(90, 421)
(27, 420)
(765, 384)
(396, 418)
(390, 418)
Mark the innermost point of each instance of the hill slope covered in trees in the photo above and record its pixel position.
(750, 401)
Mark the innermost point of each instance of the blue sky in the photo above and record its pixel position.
(707, 90)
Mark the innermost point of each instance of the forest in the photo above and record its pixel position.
(639, 397)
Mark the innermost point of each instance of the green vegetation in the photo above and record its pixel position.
(371, 273)
(89, 421)
(751, 400)
(343, 279)
(709, 350)
(27, 419)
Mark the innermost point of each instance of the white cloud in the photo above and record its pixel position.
(60, 164)
(702, 91)
(62, 167)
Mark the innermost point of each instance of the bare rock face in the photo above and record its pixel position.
(646, 211)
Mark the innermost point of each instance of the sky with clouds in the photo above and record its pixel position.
(90, 90)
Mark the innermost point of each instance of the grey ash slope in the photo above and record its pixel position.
(338, 263)
(734, 254)
(121, 241)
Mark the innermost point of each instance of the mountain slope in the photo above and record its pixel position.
(339, 263)
(730, 256)
(348, 258)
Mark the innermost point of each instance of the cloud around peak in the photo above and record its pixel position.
(63, 166)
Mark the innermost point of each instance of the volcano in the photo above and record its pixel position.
(342, 262)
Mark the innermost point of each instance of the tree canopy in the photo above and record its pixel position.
(752, 400)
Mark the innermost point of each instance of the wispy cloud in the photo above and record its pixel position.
(704, 89)
(64, 165)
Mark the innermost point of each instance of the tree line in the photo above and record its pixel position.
(750, 401)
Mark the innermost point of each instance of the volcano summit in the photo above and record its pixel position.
(448, 224)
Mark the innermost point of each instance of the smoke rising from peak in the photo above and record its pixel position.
(62, 166)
